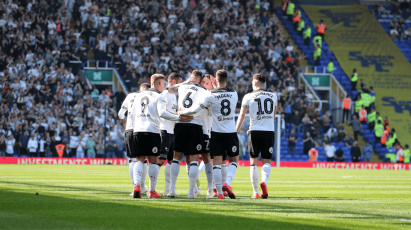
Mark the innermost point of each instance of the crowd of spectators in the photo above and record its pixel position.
(401, 12)
(46, 99)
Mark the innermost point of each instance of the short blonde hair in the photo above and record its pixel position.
(156, 77)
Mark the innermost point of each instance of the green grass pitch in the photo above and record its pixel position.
(97, 197)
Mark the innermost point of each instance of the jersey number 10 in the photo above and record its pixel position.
(267, 109)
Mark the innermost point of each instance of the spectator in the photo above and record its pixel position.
(10, 142)
(349, 140)
(341, 132)
(318, 141)
(356, 126)
(111, 148)
(292, 140)
(32, 146)
(2, 146)
(326, 119)
(394, 33)
(42, 146)
(330, 152)
(395, 9)
(308, 142)
(400, 154)
(339, 155)
(296, 122)
(332, 132)
(74, 139)
(90, 145)
(100, 149)
(120, 147)
(355, 152)
(367, 150)
(382, 10)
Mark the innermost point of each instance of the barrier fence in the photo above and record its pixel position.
(117, 161)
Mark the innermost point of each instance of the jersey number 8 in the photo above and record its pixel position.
(225, 107)
(267, 109)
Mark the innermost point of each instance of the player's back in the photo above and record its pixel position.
(261, 105)
(128, 105)
(223, 102)
(171, 106)
(145, 111)
(191, 94)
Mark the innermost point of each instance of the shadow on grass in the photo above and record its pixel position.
(21, 209)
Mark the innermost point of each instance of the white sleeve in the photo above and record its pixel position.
(200, 106)
(123, 109)
(162, 109)
(246, 102)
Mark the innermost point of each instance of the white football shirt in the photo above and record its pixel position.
(261, 105)
(145, 111)
(189, 95)
(127, 106)
(171, 106)
(222, 102)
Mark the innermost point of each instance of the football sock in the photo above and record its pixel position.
(167, 174)
(131, 170)
(188, 169)
(217, 178)
(265, 172)
(254, 177)
(175, 170)
(232, 168)
(201, 168)
(138, 171)
(192, 176)
(152, 174)
(223, 173)
(209, 173)
(144, 175)
(158, 169)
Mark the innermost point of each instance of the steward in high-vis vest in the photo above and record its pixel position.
(391, 154)
(290, 11)
(390, 141)
(60, 149)
(318, 41)
(317, 55)
(367, 99)
(363, 115)
(330, 66)
(321, 28)
(296, 18)
(285, 4)
(346, 108)
(384, 138)
(358, 105)
(300, 27)
(313, 155)
(354, 79)
(307, 35)
(371, 119)
(379, 128)
(400, 154)
(407, 155)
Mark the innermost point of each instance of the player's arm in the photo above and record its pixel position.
(123, 109)
(174, 89)
(163, 113)
(198, 108)
(241, 118)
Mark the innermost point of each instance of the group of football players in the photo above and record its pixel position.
(196, 118)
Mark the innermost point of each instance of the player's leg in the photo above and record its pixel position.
(180, 146)
(175, 170)
(167, 170)
(266, 154)
(201, 167)
(152, 145)
(138, 172)
(131, 163)
(192, 175)
(231, 144)
(216, 151)
(208, 167)
(254, 150)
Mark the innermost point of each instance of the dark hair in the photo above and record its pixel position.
(406, 146)
(197, 73)
(259, 77)
(174, 76)
(221, 76)
(207, 76)
(145, 85)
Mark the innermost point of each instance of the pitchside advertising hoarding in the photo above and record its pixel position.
(359, 41)
(116, 161)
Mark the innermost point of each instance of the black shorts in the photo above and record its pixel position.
(167, 146)
(188, 138)
(129, 141)
(206, 144)
(224, 144)
(146, 144)
(261, 142)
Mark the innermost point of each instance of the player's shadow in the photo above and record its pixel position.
(25, 210)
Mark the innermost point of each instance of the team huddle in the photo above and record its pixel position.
(196, 118)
